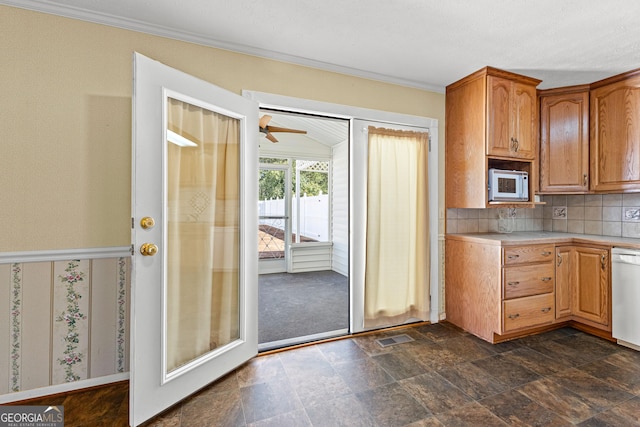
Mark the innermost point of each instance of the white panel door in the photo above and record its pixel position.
(194, 279)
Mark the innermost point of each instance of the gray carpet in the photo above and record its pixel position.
(300, 304)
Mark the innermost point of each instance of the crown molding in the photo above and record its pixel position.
(82, 14)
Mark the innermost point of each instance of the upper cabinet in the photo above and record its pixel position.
(491, 122)
(615, 133)
(564, 140)
(511, 107)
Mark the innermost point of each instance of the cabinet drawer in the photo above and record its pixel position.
(526, 280)
(528, 311)
(527, 254)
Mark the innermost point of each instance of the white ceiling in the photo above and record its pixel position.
(323, 130)
(419, 43)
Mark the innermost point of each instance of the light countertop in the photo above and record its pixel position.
(542, 237)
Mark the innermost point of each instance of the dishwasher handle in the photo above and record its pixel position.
(620, 255)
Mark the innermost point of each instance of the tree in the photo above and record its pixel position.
(272, 185)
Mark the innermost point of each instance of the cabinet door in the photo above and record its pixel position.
(524, 121)
(512, 119)
(591, 294)
(564, 142)
(499, 136)
(615, 136)
(563, 281)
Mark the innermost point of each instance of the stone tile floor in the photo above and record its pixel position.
(445, 377)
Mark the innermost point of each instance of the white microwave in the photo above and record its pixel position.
(508, 186)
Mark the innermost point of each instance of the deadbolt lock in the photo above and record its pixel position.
(148, 249)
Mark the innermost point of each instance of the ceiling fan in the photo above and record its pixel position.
(266, 129)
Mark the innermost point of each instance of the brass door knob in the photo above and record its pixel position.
(147, 222)
(148, 249)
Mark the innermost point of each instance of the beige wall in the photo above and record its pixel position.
(65, 110)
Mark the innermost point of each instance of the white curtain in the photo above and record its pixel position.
(203, 233)
(397, 248)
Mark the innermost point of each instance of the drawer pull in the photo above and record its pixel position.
(515, 256)
(546, 309)
(513, 283)
(514, 316)
(545, 279)
(545, 253)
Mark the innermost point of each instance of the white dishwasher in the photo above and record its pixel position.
(625, 296)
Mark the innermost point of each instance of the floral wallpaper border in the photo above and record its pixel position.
(121, 337)
(71, 317)
(16, 325)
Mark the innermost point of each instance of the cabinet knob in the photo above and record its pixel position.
(603, 261)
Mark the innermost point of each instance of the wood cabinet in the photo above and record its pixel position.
(563, 282)
(473, 286)
(615, 133)
(564, 140)
(509, 293)
(527, 287)
(499, 291)
(491, 122)
(511, 107)
(591, 293)
(583, 290)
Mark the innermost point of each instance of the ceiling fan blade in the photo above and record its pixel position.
(271, 138)
(278, 129)
(264, 120)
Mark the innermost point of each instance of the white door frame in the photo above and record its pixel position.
(356, 249)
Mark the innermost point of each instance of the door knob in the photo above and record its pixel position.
(147, 222)
(148, 249)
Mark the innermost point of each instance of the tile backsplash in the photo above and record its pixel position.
(599, 214)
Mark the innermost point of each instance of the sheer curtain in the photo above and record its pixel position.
(203, 190)
(397, 236)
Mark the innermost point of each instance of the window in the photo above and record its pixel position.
(310, 196)
(311, 201)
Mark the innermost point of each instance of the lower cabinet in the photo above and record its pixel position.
(509, 292)
(499, 292)
(583, 285)
(527, 287)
